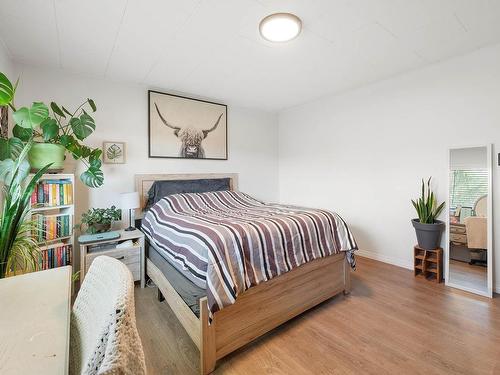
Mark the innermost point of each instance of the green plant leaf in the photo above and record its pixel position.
(92, 105)
(95, 162)
(8, 172)
(439, 209)
(10, 148)
(57, 110)
(50, 129)
(92, 177)
(67, 140)
(24, 134)
(84, 151)
(96, 153)
(83, 126)
(67, 112)
(6, 90)
(31, 117)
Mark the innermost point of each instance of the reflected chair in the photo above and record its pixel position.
(476, 228)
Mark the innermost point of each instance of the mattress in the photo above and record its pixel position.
(187, 290)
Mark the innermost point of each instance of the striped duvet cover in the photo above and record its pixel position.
(231, 241)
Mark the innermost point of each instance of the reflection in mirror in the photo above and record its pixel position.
(468, 218)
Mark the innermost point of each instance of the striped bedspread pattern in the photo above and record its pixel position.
(232, 241)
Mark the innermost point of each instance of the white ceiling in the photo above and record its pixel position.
(212, 48)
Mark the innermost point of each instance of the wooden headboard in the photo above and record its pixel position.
(143, 182)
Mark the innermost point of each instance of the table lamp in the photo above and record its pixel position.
(129, 201)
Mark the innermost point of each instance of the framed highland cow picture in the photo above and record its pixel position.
(186, 128)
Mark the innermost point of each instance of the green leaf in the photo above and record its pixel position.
(96, 153)
(83, 126)
(8, 171)
(92, 105)
(10, 148)
(58, 111)
(95, 162)
(67, 140)
(24, 134)
(6, 90)
(439, 209)
(31, 117)
(67, 112)
(50, 129)
(6, 167)
(84, 151)
(92, 177)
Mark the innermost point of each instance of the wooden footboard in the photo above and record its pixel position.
(259, 309)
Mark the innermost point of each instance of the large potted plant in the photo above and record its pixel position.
(428, 229)
(55, 132)
(18, 249)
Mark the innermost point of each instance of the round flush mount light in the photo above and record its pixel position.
(280, 27)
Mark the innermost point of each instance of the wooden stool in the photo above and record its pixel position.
(428, 263)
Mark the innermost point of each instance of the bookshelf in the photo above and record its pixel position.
(52, 207)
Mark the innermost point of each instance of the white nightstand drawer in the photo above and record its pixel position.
(130, 256)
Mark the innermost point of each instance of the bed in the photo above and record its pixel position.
(216, 322)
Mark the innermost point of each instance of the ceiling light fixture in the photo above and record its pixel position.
(280, 27)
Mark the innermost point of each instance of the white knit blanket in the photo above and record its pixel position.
(104, 337)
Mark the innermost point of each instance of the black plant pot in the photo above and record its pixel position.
(428, 235)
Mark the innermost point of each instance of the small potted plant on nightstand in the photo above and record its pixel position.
(427, 227)
(99, 220)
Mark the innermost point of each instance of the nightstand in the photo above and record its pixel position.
(132, 256)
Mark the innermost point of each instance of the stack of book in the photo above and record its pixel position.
(51, 227)
(57, 256)
(52, 193)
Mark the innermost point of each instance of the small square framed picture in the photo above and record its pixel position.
(113, 152)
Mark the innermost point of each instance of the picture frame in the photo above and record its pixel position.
(114, 152)
(181, 127)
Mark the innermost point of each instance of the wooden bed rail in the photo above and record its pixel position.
(268, 305)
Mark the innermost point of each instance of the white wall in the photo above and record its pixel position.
(122, 116)
(363, 153)
(6, 66)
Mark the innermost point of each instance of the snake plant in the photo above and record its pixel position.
(18, 249)
(426, 205)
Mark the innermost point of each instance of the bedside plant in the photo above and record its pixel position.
(55, 131)
(99, 220)
(427, 227)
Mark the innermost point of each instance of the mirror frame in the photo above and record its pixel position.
(489, 163)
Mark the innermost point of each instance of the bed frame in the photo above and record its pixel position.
(257, 310)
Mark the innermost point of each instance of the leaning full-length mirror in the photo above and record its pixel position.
(469, 245)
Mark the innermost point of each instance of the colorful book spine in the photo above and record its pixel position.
(52, 193)
(52, 227)
(57, 256)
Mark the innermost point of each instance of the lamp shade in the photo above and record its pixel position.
(129, 200)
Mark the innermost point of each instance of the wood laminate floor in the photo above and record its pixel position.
(470, 276)
(391, 323)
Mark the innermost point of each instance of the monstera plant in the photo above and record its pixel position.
(55, 131)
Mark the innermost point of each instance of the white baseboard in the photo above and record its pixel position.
(398, 262)
(384, 258)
